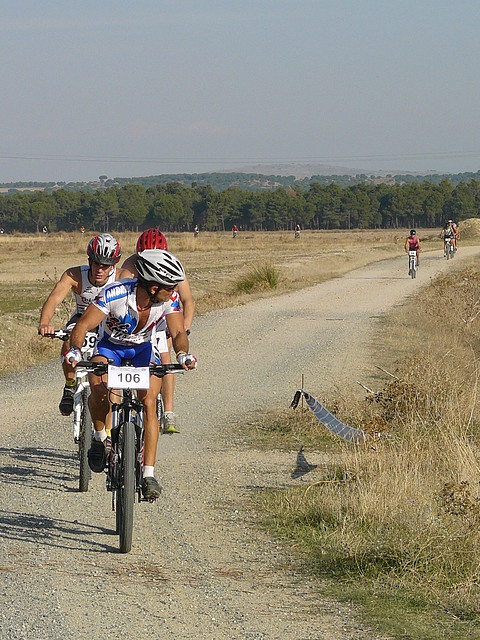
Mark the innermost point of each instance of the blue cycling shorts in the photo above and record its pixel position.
(141, 355)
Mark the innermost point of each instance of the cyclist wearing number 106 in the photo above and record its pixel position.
(129, 312)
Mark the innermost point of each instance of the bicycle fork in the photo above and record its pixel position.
(77, 410)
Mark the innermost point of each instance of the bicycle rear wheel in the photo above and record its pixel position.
(84, 444)
(126, 490)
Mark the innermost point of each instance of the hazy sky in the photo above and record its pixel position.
(125, 88)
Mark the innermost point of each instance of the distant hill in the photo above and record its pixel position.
(271, 177)
(298, 170)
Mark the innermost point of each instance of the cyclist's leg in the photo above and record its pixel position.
(148, 397)
(168, 392)
(167, 387)
(67, 401)
(150, 486)
(99, 405)
(99, 402)
(162, 350)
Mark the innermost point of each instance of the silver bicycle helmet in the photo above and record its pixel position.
(161, 267)
(104, 249)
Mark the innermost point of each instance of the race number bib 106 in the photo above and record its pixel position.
(128, 377)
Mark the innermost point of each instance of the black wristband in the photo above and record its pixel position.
(187, 332)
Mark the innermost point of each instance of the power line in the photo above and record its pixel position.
(242, 160)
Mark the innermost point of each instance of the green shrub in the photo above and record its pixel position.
(263, 275)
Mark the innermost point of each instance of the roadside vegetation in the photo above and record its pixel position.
(270, 206)
(222, 272)
(394, 525)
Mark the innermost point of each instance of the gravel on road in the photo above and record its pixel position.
(199, 567)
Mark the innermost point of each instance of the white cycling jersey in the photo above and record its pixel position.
(118, 302)
(89, 291)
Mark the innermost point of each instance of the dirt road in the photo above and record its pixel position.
(198, 569)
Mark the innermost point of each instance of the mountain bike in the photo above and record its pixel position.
(82, 421)
(412, 263)
(124, 467)
(449, 249)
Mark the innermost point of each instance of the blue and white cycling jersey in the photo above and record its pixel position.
(118, 303)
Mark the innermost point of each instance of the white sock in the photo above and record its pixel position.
(100, 435)
(148, 472)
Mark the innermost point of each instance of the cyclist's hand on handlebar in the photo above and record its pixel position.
(187, 360)
(46, 330)
(73, 356)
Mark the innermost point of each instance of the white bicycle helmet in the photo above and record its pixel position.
(104, 249)
(161, 267)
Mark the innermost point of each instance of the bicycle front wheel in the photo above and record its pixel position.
(84, 444)
(126, 490)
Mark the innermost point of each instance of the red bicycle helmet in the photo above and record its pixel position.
(151, 239)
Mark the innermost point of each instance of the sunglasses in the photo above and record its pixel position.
(164, 286)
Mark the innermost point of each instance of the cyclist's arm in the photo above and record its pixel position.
(176, 327)
(188, 303)
(91, 318)
(68, 282)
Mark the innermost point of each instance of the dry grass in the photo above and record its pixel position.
(400, 517)
(215, 263)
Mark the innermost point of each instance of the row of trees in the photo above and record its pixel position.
(173, 207)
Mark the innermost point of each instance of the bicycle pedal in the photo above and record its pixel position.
(142, 499)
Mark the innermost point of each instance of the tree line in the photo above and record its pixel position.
(174, 207)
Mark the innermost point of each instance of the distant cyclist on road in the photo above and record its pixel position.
(85, 282)
(447, 232)
(456, 234)
(129, 312)
(412, 243)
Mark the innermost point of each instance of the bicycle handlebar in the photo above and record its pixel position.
(101, 368)
(59, 333)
